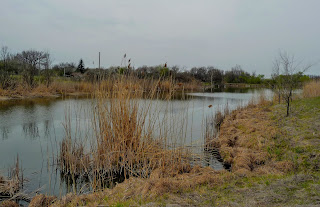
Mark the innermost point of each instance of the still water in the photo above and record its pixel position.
(32, 130)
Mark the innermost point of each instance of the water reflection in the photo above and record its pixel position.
(4, 132)
(31, 130)
(47, 128)
(82, 183)
(26, 103)
(213, 158)
(234, 90)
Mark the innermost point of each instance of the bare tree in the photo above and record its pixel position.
(287, 76)
(47, 73)
(211, 73)
(5, 80)
(216, 76)
(174, 71)
(277, 85)
(29, 61)
(4, 56)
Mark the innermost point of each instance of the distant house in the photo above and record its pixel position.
(77, 75)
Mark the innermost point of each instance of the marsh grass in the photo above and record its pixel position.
(212, 126)
(128, 136)
(12, 185)
(234, 133)
(63, 86)
(311, 89)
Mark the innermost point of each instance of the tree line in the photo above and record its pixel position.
(32, 66)
(28, 64)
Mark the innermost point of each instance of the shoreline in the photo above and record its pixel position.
(83, 94)
(74, 94)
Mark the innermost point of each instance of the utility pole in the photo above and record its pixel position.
(100, 78)
(39, 71)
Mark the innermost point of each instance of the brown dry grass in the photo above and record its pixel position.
(68, 87)
(56, 88)
(9, 204)
(188, 86)
(10, 186)
(245, 136)
(124, 142)
(157, 185)
(42, 200)
(311, 89)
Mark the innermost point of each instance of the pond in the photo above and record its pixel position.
(32, 130)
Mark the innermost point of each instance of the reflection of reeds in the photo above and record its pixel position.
(129, 138)
(31, 130)
(213, 123)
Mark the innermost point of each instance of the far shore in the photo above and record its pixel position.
(75, 94)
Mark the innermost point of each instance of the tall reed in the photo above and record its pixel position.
(213, 123)
(129, 137)
(11, 186)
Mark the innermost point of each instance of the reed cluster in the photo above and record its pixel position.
(214, 121)
(127, 137)
(11, 185)
(8, 186)
(212, 126)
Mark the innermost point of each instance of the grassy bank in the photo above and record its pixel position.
(57, 88)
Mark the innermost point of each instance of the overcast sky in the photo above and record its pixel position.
(187, 33)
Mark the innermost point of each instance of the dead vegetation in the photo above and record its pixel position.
(128, 138)
(42, 200)
(311, 89)
(243, 142)
(11, 186)
(62, 87)
(156, 186)
(8, 203)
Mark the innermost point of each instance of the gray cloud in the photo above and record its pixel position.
(183, 32)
